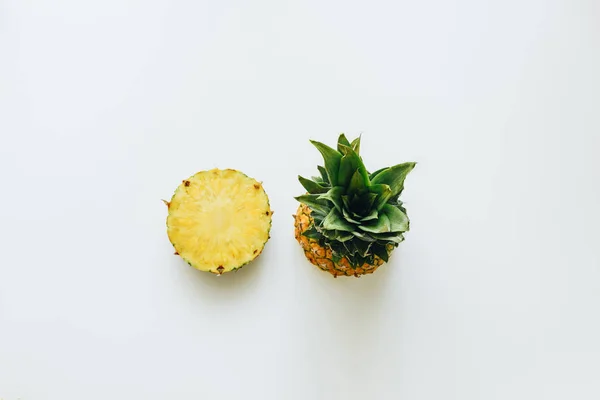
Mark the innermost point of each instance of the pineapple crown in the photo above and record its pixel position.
(356, 213)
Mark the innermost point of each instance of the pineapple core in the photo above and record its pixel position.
(219, 220)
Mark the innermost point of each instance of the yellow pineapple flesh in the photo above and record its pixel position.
(219, 220)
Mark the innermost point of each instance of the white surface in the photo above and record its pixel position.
(107, 105)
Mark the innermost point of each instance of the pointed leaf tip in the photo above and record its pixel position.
(356, 144)
(332, 160)
(394, 176)
(315, 204)
(342, 141)
(311, 187)
(380, 251)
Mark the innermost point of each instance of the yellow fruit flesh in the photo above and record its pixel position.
(321, 256)
(219, 220)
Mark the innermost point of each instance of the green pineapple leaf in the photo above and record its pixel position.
(380, 225)
(380, 250)
(395, 237)
(365, 237)
(336, 236)
(323, 173)
(318, 218)
(344, 236)
(312, 233)
(356, 145)
(363, 247)
(332, 160)
(350, 247)
(357, 184)
(311, 186)
(314, 203)
(334, 221)
(335, 257)
(335, 196)
(342, 140)
(363, 204)
(374, 174)
(394, 177)
(384, 193)
(349, 164)
(348, 217)
(367, 200)
(346, 201)
(374, 214)
(398, 220)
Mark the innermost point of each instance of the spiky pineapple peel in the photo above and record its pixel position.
(354, 216)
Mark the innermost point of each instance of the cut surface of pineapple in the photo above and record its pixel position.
(219, 220)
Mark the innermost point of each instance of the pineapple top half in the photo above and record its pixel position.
(357, 214)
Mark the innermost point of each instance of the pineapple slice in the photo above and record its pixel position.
(219, 220)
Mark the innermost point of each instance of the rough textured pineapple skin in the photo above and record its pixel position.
(321, 256)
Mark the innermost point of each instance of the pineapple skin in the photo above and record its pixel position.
(321, 256)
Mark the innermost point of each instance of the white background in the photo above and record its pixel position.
(106, 106)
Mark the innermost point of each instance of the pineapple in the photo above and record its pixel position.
(219, 220)
(351, 220)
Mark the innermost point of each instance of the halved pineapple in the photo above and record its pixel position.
(351, 220)
(219, 220)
